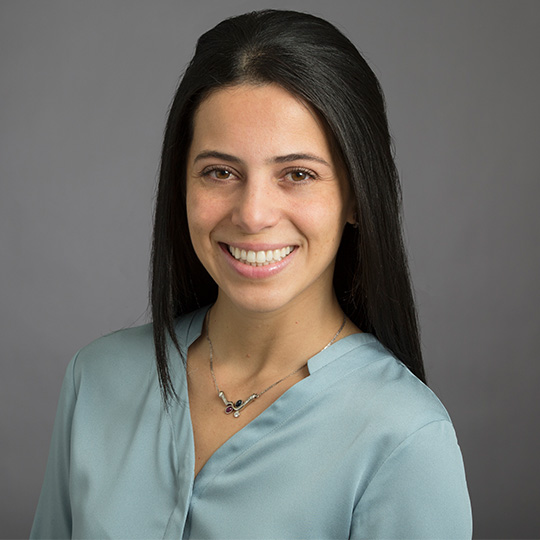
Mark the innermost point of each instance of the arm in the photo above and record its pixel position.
(53, 513)
(418, 492)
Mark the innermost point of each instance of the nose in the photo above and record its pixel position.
(257, 205)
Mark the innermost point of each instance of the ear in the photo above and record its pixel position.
(352, 215)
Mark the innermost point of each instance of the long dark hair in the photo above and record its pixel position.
(311, 59)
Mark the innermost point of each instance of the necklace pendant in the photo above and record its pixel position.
(237, 406)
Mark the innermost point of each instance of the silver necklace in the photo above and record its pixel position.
(236, 407)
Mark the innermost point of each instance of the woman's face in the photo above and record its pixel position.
(266, 201)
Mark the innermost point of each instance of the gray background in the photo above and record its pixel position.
(84, 92)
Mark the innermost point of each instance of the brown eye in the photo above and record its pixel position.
(218, 174)
(221, 174)
(299, 176)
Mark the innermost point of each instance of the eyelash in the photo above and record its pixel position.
(207, 173)
(311, 174)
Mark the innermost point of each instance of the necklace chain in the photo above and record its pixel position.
(236, 406)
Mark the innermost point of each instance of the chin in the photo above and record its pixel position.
(257, 301)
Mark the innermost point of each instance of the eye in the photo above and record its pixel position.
(218, 173)
(221, 174)
(300, 176)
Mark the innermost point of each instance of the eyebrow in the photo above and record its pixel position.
(277, 159)
(299, 157)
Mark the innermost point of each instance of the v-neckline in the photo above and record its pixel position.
(194, 332)
(286, 405)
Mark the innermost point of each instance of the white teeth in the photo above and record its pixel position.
(260, 258)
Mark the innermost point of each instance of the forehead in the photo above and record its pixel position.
(258, 119)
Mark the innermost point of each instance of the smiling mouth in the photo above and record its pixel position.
(260, 258)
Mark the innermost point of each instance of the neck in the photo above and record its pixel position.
(272, 342)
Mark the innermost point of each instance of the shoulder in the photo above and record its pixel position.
(380, 389)
(120, 357)
(127, 355)
(403, 430)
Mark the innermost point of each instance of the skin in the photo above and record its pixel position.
(260, 176)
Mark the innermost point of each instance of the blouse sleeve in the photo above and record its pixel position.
(418, 492)
(53, 513)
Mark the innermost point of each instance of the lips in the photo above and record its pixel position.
(260, 258)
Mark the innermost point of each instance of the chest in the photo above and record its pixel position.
(282, 473)
(289, 466)
(212, 425)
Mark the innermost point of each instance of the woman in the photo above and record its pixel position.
(284, 331)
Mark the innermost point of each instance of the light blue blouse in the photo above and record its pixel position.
(359, 449)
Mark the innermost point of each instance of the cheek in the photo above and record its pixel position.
(200, 209)
(198, 216)
(328, 215)
(322, 224)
